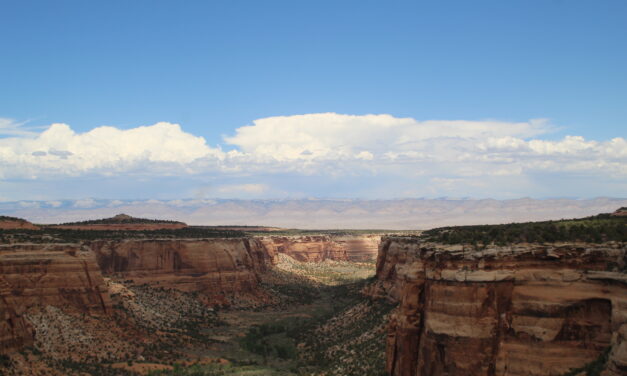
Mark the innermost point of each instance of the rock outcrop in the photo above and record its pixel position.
(15, 331)
(221, 270)
(214, 267)
(317, 248)
(63, 275)
(12, 223)
(526, 309)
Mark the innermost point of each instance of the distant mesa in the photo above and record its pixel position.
(122, 222)
(13, 223)
(621, 212)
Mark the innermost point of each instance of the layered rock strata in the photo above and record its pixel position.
(318, 248)
(528, 309)
(64, 275)
(211, 266)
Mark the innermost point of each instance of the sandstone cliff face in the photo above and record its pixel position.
(318, 248)
(525, 309)
(63, 275)
(15, 331)
(211, 266)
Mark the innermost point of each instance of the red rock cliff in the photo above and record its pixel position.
(63, 275)
(211, 266)
(525, 309)
(318, 248)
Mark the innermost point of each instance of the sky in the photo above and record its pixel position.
(291, 99)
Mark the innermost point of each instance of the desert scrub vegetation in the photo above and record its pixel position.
(5, 361)
(165, 309)
(120, 218)
(271, 340)
(8, 218)
(181, 318)
(327, 272)
(350, 343)
(595, 229)
(222, 370)
(348, 232)
(57, 235)
(82, 368)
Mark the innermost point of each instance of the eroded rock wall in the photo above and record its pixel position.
(210, 266)
(317, 248)
(63, 275)
(526, 309)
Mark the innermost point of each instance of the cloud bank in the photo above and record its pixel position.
(446, 155)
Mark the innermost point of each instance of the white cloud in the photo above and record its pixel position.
(107, 150)
(85, 203)
(29, 204)
(114, 203)
(448, 154)
(332, 136)
(338, 144)
(246, 188)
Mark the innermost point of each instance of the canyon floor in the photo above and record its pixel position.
(307, 319)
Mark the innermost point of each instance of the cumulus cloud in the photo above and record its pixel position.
(447, 153)
(332, 136)
(383, 143)
(107, 150)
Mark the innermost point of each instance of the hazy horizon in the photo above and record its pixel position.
(392, 214)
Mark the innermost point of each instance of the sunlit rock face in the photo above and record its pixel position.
(210, 266)
(33, 275)
(525, 309)
(318, 248)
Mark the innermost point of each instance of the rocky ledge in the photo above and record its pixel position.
(317, 248)
(524, 309)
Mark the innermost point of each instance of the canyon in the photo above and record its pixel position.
(124, 302)
(223, 271)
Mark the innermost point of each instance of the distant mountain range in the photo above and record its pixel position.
(318, 213)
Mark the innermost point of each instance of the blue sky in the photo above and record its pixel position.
(215, 67)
